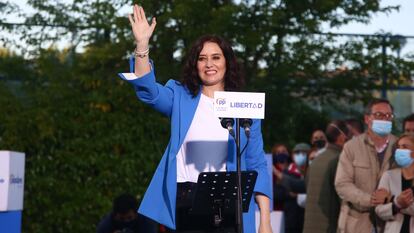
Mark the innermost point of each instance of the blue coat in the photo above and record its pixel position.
(176, 102)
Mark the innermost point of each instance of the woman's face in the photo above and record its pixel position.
(211, 65)
(406, 143)
(281, 149)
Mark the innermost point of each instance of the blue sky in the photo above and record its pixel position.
(397, 23)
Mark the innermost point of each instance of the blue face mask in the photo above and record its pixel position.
(300, 159)
(382, 128)
(403, 157)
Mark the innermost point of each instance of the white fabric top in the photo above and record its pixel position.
(205, 146)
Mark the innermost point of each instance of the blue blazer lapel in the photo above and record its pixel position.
(232, 150)
(231, 155)
(187, 107)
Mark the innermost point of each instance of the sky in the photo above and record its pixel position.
(396, 23)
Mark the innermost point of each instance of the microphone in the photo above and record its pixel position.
(228, 123)
(246, 123)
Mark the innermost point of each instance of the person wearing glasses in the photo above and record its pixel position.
(362, 162)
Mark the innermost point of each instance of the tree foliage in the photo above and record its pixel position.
(88, 139)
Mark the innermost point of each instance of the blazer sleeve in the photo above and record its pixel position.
(409, 210)
(149, 91)
(255, 160)
(344, 182)
(294, 184)
(385, 211)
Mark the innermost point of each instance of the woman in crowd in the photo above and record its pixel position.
(281, 160)
(399, 208)
(198, 143)
(292, 180)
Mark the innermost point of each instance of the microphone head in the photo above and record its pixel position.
(246, 122)
(226, 122)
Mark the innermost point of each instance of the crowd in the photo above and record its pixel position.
(348, 179)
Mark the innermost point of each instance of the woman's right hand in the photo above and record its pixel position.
(405, 198)
(140, 27)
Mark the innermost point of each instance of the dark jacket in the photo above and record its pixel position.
(322, 201)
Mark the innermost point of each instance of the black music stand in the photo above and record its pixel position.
(216, 196)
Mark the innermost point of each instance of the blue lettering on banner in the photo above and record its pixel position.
(1, 181)
(15, 180)
(245, 105)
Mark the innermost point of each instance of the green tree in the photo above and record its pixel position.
(88, 139)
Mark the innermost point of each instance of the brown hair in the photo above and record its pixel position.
(333, 130)
(406, 135)
(233, 78)
(375, 101)
(409, 118)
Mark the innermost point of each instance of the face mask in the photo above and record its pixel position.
(403, 157)
(280, 158)
(300, 159)
(382, 128)
(319, 143)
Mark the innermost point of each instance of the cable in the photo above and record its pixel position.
(245, 146)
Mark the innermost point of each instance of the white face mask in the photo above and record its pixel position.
(300, 158)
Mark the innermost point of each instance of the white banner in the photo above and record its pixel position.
(11, 180)
(239, 104)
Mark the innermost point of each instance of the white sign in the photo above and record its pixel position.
(239, 104)
(11, 180)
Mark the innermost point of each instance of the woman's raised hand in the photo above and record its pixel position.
(140, 27)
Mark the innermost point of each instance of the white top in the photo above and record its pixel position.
(205, 146)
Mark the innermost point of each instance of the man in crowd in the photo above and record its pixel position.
(355, 126)
(124, 218)
(323, 203)
(362, 162)
(408, 124)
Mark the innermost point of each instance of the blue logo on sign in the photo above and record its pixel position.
(15, 180)
(221, 101)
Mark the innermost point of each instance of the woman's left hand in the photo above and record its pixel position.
(265, 227)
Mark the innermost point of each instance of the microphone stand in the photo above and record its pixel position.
(239, 209)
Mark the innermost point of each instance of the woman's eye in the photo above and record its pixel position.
(201, 59)
(216, 57)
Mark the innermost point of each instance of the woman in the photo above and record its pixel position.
(280, 155)
(399, 209)
(198, 143)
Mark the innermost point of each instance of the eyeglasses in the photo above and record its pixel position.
(382, 116)
(342, 132)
